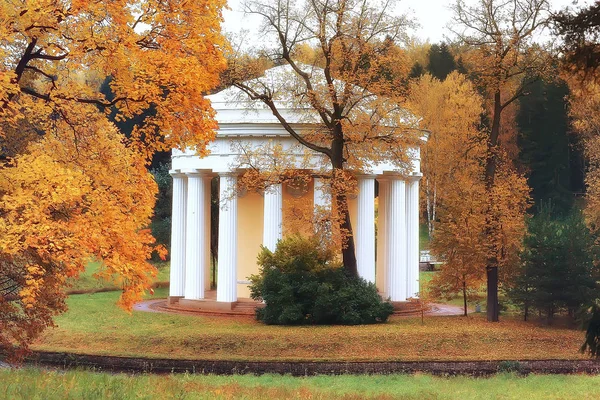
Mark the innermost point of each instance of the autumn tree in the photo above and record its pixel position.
(454, 164)
(505, 60)
(457, 239)
(584, 111)
(72, 188)
(580, 31)
(340, 84)
(450, 110)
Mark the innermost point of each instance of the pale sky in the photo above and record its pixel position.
(432, 15)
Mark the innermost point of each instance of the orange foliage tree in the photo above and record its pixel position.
(504, 59)
(453, 161)
(72, 188)
(337, 55)
(462, 237)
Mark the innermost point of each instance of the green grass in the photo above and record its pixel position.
(94, 325)
(32, 384)
(86, 281)
(423, 237)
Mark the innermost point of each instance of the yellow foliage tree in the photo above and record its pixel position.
(472, 222)
(476, 224)
(71, 187)
(338, 54)
(501, 53)
(451, 111)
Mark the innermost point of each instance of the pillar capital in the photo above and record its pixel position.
(195, 173)
(366, 176)
(228, 173)
(414, 177)
(176, 173)
(392, 177)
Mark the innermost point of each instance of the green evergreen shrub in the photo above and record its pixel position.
(558, 271)
(301, 284)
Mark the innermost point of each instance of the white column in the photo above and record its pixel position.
(273, 217)
(207, 210)
(178, 217)
(412, 236)
(227, 267)
(396, 232)
(382, 220)
(195, 255)
(365, 228)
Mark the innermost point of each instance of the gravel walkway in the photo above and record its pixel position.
(160, 306)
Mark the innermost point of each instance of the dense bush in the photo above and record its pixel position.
(300, 284)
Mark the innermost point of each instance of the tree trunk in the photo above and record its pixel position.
(430, 208)
(348, 249)
(464, 290)
(493, 308)
(341, 200)
(434, 209)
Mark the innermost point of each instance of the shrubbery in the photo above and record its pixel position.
(301, 284)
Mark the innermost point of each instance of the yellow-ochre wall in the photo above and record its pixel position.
(250, 231)
(298, 208)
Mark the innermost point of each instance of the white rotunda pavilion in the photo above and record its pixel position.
(248, 220)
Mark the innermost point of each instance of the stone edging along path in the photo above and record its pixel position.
(302, 368)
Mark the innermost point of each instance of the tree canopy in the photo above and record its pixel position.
(338, 55)
(504, 60)
(72, 188)
(580, 31)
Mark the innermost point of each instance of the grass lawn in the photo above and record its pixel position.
(94, 325)
(40, 384)
(87, 281)
(423, 237)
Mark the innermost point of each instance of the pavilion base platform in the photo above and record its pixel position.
(210, 305)
(173, 299)
(247, 307)
(410, 307)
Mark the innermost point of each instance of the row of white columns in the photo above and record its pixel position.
(398, 221)
(190, 243)
(190, 238)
